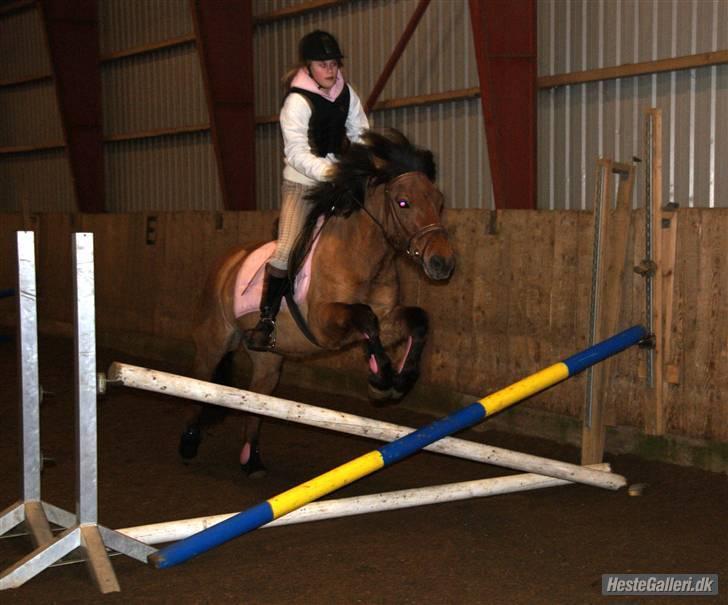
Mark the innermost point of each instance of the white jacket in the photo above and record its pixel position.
(301, 165)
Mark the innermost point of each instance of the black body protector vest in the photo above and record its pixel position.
(327, 126)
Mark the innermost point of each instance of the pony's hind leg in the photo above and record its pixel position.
(265, 376)
(213, 362)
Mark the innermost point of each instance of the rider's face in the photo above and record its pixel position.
(325, 72)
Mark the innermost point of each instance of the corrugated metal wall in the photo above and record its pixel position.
(41, 179)
(578, 123)
(158, 90)
(124, 24)
(439, 58)
(29, 116)
(22, 46)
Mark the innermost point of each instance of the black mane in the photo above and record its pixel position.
(380, 158)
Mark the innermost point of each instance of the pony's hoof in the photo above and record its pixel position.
(189, 442)
(254, 468)
(396, 395)
(376, 394)
(402, 383)
(254, 473)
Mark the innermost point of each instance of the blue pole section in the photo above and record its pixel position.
(600, 351)
(397, 450)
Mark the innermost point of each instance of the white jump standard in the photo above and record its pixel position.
(83, 530)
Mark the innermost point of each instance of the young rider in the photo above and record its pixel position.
(321, 113)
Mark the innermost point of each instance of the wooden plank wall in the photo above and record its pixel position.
(517, 302)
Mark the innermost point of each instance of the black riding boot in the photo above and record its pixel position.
(261, 337)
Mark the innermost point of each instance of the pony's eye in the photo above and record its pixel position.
(402, 203)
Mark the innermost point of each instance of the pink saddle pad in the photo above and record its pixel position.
(249, 281)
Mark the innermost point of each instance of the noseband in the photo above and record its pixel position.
(412, 249)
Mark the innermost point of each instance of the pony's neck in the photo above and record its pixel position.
(364, 237)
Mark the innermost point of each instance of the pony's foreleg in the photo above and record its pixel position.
(411, 325)
(266, 373)
(341, 323)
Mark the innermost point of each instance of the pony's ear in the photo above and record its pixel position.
(378, 163)
(428, 163)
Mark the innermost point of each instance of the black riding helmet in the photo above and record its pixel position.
(319, 46)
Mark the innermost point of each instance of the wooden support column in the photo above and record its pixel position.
(504, 33)
(224, 32)
(72, 32)
(664, 236)
(611, 270)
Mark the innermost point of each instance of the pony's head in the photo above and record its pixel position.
(394, 182)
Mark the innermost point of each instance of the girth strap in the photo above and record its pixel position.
(299, 319)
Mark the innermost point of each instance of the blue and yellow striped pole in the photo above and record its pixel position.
(397, 450)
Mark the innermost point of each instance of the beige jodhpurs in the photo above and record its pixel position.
(294, 210)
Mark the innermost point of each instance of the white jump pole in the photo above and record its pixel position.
(266, 405)
(171, 531)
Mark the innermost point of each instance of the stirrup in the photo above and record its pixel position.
(262, 337)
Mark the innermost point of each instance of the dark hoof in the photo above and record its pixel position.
(189, 442)
(254, 468)
(396, 396)
(376, 394)
(402, 383)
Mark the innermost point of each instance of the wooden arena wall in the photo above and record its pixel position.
(519, 299)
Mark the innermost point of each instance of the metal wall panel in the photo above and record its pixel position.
(126, 24)
(42, 179)
(440, 57)
(163, 173)
(163, 89)
(453, 132)
(23, 46)
(579, 123)
(266, 6)
(268, 166)
(29, 115)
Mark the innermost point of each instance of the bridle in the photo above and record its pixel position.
(413, 249)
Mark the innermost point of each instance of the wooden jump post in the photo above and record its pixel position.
(391, 453)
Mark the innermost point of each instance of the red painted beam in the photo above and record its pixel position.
(504, 32)
(224, 31)
(396, 54)
(72, 32)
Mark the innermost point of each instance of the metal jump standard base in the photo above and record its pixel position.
(82, 529)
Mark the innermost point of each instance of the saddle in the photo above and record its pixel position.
(249, 284)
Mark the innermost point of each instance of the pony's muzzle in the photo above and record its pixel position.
(440, 267)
